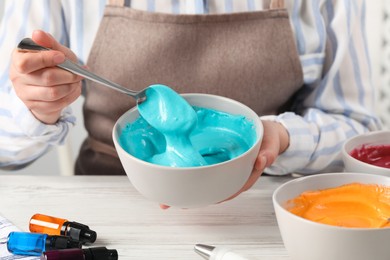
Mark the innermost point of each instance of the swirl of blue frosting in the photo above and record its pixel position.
(171, 132)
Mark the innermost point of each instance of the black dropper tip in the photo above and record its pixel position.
(100, 253)
(112, 254)
(89, 236)
(80, 232)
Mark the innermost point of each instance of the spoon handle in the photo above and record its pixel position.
(29, 44)
(77, 69)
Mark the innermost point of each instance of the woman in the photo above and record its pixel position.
(301, 65)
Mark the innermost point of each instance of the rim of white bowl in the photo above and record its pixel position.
(362, 136)
(310, 222)
(257, 143)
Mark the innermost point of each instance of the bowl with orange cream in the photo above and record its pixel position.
(335, 216)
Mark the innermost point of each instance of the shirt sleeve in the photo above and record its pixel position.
(337, 100)
(23, 138)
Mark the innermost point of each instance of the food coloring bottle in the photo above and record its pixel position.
(40, 223)
(34, 244)
(97, 253)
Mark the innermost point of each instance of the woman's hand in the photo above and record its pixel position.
(275, 141)
(44, 88)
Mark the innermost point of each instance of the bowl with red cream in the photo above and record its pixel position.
(335, 216)
(368, 153)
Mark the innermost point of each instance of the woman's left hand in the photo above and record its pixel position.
(275, 141)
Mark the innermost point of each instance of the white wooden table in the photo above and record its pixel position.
(137, 227)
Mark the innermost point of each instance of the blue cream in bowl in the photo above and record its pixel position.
(187, 150)
(171, 132)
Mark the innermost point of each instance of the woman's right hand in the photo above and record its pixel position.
(44, 88)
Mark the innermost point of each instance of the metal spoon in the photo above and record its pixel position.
(140, 96)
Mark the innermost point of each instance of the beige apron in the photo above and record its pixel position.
(250, 57)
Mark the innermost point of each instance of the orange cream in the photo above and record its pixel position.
(352, 205)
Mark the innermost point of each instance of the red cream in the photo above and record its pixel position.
(378, 155)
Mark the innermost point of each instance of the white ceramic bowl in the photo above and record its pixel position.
(372, 138)
(192, 186)
(308, 240)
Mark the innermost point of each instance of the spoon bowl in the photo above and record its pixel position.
(139, 96)
(166, 103)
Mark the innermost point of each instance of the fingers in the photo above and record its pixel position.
(51, 94)
(162, 206)
(270, 145)
(27, 62)
(255, 175)
(47, 40)
(44, 88)
(48, 111)
(275, 141)
(44, 77)
(62, 96)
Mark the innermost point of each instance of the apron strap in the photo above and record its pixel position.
(119, 2)
(276, 4)
(101, 147)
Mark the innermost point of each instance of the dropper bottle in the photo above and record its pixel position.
(40, 223)
(34, 244)
(93, 253)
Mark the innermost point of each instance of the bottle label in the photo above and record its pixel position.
(44, 223)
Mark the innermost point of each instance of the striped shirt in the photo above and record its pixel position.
(335, 103)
